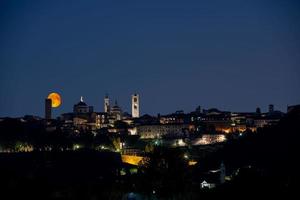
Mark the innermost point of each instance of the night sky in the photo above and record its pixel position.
(177, 54)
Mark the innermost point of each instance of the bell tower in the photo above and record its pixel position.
(135, 105)
(106, 104)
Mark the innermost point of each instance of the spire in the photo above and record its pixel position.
(116, 102)
(81, 99)
(106, 103)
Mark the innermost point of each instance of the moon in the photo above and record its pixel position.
(55, 98)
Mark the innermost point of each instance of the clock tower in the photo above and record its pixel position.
(135, 106)
(106, 104)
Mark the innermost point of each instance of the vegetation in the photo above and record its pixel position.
(266, 161)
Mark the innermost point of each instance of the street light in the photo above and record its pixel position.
(186, 156)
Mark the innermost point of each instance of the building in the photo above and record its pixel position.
(48, 108)
(217, 121)
(213, 178)
(146, 120)
(271, 108)
(293, 109)
(83, 117)
(207, 185)
(116, 113)
(175, 118)
(81, 107)
(207, 139)
(102, 119)
(106, 104)
(135, 106)
(266, 120)
(161, 130)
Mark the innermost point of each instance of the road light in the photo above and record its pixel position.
(186, 156)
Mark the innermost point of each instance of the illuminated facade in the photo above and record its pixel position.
(81, 107)
(158, 131)
(209, 139)
(106, 104)
(176, 118)
(211, 121)
(116, 112)
(135, 106)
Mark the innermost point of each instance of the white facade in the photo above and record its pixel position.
(106, 104)
(135, 106)
(205, 184)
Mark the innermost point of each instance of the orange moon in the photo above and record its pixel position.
(55, 98)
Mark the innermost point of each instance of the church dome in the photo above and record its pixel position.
(81, 103)
(116, 108)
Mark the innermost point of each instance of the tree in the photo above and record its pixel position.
(116, 143)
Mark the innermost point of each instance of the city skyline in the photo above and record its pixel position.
(151, 99)
(109, 102)
(229, 55)
(127, 107)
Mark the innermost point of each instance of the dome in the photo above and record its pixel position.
(116, 108)
(81, 103)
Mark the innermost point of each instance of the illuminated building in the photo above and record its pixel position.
(205, 184)
(48, 108)
(101, 119)
(116, 112)
(132, 159)
(160, 130)
(213, 178)
(83, 117)
(146, 120)
(106, 104)
(135, 103)
(209, 139)
(176, 118)
(81, 107)
(265, 119)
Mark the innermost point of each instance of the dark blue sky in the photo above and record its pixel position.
(233, 55)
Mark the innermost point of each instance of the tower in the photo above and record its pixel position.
(258, 111)
(106, 104)
(135, 106)
(271, 108)
(48, 108)
(198, 109)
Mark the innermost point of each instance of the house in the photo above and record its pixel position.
(207, 185)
